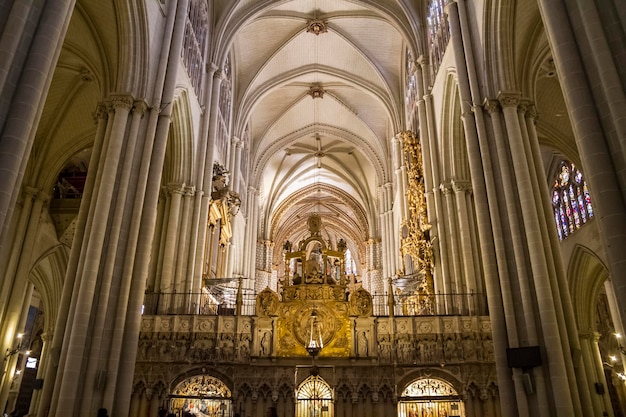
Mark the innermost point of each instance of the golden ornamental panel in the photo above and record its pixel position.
(294, 327)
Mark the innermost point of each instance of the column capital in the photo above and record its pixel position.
(101, 112)
(461, 186)
(121, 101)
(524, 103)
(189, 191)
(212, 67)
(589, 335)
(140, 107)
(446, 188)
(531, 111)
(423, 61)
(30, 192)
(491, 105)
(508, 99)
(174, 188)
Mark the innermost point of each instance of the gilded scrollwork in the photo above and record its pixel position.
(415, 244)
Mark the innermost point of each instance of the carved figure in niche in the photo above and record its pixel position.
(363, 345)
(341, 245)
(227, 346)
(297, 279)
(313, 268)
(265, 344)
(287, 246)
(384, 348)
(469, 348)
(450, 349)
(243, 348)
(219, 180)
(405, 349)
(487, 350)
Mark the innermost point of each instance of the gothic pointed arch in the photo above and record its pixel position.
(179, 161)
(586, 276)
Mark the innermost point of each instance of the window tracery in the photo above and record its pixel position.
(430, 397)
(410, 87)
(438, 31)
(571, 201)
(194, 42)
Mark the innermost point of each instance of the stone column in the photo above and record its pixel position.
(70, 283)
(22, 119)
(136, 263)
(489, 229)
(563, 398)
(592, 138)
(461, 191)
(171, 237)
(451, 283)
(68, 386)
(181, 277)
(432, 171)
(400, 178)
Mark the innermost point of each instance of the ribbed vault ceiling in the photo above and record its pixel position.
(326, 154)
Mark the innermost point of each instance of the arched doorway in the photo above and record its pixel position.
(430, 397)
(314, 398)
(202, 396)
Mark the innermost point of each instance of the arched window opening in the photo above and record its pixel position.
(439, 33)
(194, 42)
(202, 396)
(222, 141)
(430, 397)
(410, 87)
(314, 398)
(571, 201)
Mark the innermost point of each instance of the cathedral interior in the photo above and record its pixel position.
(313, 208)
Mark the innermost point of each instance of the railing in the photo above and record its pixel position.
(202, 304)
(459, 304)
(205, 304)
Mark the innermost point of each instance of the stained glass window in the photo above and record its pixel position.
(571, 201)
(439, 32)
(196, 32)
(410, 87)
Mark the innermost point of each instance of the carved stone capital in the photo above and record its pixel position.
(140, 107)
(509, 99)
(423, 61)
(30, 192)
(462, 186)
(121, 101)
(101, 112)
(492, 106)
(175, 188)
(531, 112)
(446, 188)
(523, 106)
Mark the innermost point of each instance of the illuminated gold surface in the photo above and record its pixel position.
(294, 324)
(415, 231)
